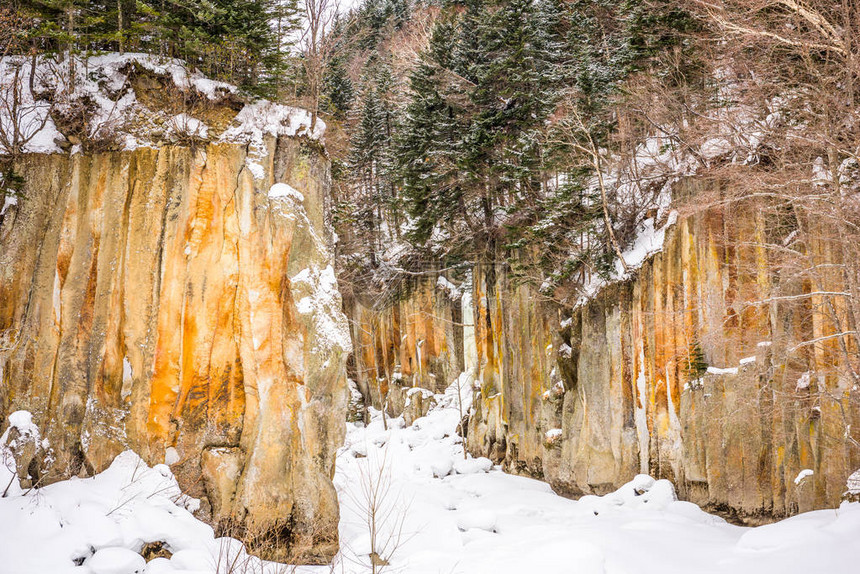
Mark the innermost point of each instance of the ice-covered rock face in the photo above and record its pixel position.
(147, 302)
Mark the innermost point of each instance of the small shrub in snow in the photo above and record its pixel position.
(187, 130)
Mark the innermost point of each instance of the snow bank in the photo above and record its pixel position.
(100, 522)
(99, 525)
(437, 511)
(476, 519)
(118, 117)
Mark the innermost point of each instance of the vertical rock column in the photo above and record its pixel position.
(164, 300)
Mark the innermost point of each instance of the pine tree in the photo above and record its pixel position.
(468, 51)
(339, 90)
(502, 152)
(428, 149)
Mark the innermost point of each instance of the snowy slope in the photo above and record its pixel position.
(436, 513)
(114, 111)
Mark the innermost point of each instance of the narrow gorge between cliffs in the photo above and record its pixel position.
(430, 287)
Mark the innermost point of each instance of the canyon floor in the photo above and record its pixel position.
(433, 511)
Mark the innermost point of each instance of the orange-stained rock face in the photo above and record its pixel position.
(616, 379)
(414, 342)
(160, 300)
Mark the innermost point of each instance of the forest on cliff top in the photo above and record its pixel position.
(542, 136)
(545, 136)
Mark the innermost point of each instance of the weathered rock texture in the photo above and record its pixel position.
(150, 300)
(415, 342)
(621, 383)
(624, 379)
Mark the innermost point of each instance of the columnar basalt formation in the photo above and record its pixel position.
(164, 300)
(689, 370)
(416, 341)
(623, 386)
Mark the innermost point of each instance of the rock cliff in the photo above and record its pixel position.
(688, 370)
(414, 341)
(176, 301)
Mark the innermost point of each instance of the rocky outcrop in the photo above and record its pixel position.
(174, 302)
(690, 371)
(419, 340)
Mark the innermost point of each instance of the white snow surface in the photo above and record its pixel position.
(104, 82)
(457, 516)
(285, 190)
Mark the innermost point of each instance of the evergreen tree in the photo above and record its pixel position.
(501, 151)
(339, 91)
(468, 51)
(428, 149)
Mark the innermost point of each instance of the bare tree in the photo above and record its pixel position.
(780, 92)
(383, 511)
(23, 114)
(571, 133)
(317, 43)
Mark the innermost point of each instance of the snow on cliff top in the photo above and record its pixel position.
(105, 108)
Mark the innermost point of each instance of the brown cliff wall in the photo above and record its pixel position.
(586, 399)
(146, 302)
(415, 342)
(622, 380)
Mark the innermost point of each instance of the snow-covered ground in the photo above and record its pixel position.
(436, 512)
